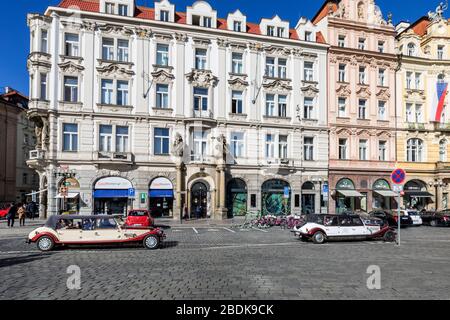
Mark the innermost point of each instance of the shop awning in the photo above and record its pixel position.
(70, 195)
(36, 192)
(111, 194)
(386, 193)
(161, 193)
(350, 193)
(418, 194)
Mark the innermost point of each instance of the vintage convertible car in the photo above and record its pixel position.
(92, 230)
(321, 228)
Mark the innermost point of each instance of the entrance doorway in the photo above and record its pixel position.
(161, 198)
(308, 198)
(276, 197)
(199, 200)
(236, 198)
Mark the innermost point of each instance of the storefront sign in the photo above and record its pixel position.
(161, 184)
(72, 183)
(113, 183)
(286, 192)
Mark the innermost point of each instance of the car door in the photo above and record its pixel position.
(331, 226)
(345, 227)
(69, 231)
(106, 230)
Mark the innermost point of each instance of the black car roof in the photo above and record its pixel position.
(53, 220)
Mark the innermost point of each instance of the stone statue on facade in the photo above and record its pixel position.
(438, 14)
(178, 146)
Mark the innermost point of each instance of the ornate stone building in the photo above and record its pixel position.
(361, 100)
(422, 109)
(179, 112)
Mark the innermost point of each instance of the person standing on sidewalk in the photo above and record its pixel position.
(11, 216)
(22, 214)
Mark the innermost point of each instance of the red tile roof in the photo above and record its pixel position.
(180, 17)
(419, 27)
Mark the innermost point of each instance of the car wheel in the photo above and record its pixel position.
(45, 243)
(151, 242)
(389, 236)
(318, 237)
(433, 223)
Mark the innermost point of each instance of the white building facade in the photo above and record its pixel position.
(183, 113)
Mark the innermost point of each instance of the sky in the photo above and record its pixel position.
(15, 34)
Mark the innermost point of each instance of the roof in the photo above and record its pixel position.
(147, 13)
(14, 97)
(53, 220)
(324, 9)
(419, 27)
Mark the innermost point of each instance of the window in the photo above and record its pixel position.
(109, 8)
(107, 91)
(343, 149)
(381, 110)
(276, 67)
(122, 93)
(282, 68)
(270, 105)
(382, 150)
(25, 178)
(108, 49)
(270, 31)
(409, 113)
(236, 102)
(414, 150)
(112, 51)
(70, 137)
(70, 89)
(122, 50)
(162, 54)
(362, 109)
(270, 67)
(105, 143)
(71, 45)
(123, 10)
(270, 146)
(282, 106)
(207, 22)
(43, 86)
(363, 150)
(362, 75)
(381, 46)
(200, 59)
(161, 141)
(283, 147)
(308, 71)
(408, 80)
(418, 81)
(237, 63)
(443, 150)
(200, 144)
(44, 41)
(341, 74)
(361, 44)
(440, 52)
(381, 77)
(342, 110)
(195, 20)
(418, 114)
(341, 41)
(308, 36)
(237, 144)
(121, 139)
(280, 32)
(200, 99)
(237, 26)
(308, 148)
(164, 15)
(162, 96)
(411, 49)
(308, 108)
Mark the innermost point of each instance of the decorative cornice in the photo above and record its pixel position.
(70, 67)
(202, 78)
(363, 92)
(343, 90)
(238, 82)
(277, 50)
(383, 94)
(310, 91)
(114, 68)
(162, 76)
(281, 85)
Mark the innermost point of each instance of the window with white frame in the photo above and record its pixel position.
(237, 26)
(108, 49)
(122, 93)
(200, 59)
(44, 41)
(123, 10)
(107, 91)
(237, 102)
(362, 75)
(440, 52)
(70, 89)
(164, 15)
(200, 144)
(419, 113)
(280, 32)
(382, 152)
(308, 36)
(362, 109)
(418, 80)
(162, 96)
(270, 67)
(105, 138)
(343, 149)
(270, 105)
(276, 67)
(207, 22)
(342, 108)
(70, 137)
(283, 147)
(270, 146)
(308, 71)
(161, 141)
(381, 46)
(409, 113)
(282, 106)
(381, 77)
(414, 150)
(308, 148)
(43, 86)
(109, 8)
(361, 44)
(308, 108)
(162, 54)
(122, 50)
(381, 110)
(341, 41)
(282, 68)
(115, 49)
(71, 45)
(237, 65)
(341, 73)
(443, 150)
(411, 49)
(237, 144)
(408, 80)
(200, 99)
(271, 31)
(363, 150)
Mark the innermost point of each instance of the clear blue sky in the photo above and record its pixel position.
(15, 34)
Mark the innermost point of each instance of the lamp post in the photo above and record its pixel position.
(66, 174)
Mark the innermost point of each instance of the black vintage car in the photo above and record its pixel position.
(436, 219)
(391, 218)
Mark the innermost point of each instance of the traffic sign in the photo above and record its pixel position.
(397, 187)
(398, 176)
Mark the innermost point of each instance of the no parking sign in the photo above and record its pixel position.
(398, 176)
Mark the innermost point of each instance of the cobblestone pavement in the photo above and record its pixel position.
(222, 263)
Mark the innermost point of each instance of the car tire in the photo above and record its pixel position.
(45, 244)
(318, 237)
(151, 242)
(389, 236)
(433, 223)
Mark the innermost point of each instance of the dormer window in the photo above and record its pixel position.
(308, 36)
(202, 21)
(109, 8)
(271, 31)
(164, 15)
(123, 10)
(280, 32)
(237, 26)
(207, 22)
(411, 49)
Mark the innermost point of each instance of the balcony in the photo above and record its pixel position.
(202, 159)
(37, 159)
(444, 127)
(37, 155)
(415, 126)
(282, 162)
(116, 157)
(203, 114)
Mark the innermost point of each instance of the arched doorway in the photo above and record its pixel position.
(69, 202)
(161, 198)
(199, 200)
(236, 198)
(347, 198)
(113, 195)
(308, 198)
(276, 197)
(382, 195)
(416, 195)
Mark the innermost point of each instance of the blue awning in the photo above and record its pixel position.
(161, 193)
(111, 194)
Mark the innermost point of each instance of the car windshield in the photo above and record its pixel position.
(106, 224)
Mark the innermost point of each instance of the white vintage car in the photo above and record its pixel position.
(321, 228)
(92, 230)
(414, 214)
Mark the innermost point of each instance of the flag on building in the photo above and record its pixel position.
(442, 89)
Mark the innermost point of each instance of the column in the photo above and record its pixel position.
(42, 195)
(179, 209)
(439, 197)
(51, 192)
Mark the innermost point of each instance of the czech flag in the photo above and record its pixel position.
(442, 89)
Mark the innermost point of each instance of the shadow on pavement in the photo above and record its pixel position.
(8, 262)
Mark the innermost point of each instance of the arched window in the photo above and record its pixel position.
(308, 186)
(443, 150)
(414, 150)
(411, 49)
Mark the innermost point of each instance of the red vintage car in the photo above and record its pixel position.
(3, 213)
(139, 218)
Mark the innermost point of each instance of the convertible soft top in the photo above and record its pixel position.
(53, 220)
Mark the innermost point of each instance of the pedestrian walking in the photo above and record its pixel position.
(11, 216)
(22, 214)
